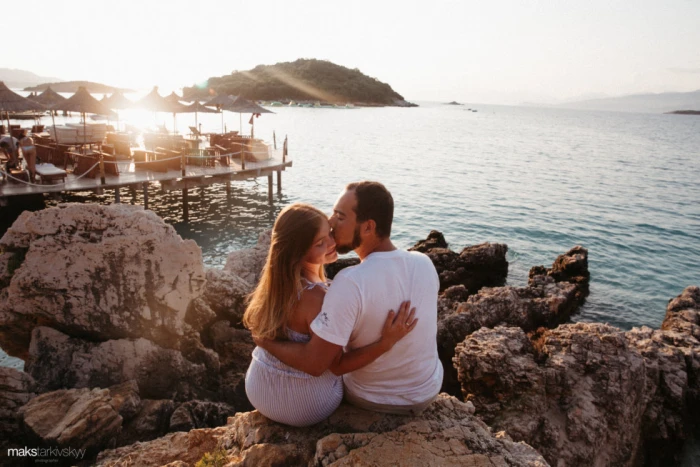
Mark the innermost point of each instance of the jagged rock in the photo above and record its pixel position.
(450, 299)
(59, 361)
(123, 273)
(152, 421)
(547, 304)
(225, 293)
(248, 263)
(76, 418)
(234, 346)
(200, 414)
(570, 267)
(475, 267)
(576, 393)
(683, 313)
(199, 314)
(435, 240)
(445, 434)
(16, 389)
(125, 399)
(334, 268)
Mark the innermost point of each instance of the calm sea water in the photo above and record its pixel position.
(626, 186)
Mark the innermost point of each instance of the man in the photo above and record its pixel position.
(407, 378)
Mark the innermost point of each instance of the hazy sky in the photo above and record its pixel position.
(472, 51)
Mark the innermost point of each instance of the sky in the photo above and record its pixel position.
(498, 52)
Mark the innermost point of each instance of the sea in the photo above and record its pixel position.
(626, 186)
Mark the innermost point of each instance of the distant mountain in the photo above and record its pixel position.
(21, 78)
(645, 103)
(72, 86)
(301, 80)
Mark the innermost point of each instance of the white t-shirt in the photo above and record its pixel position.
(353, 314)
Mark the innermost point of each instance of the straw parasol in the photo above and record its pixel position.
(48, 98)
(196, 107)
(173, 97)
(157, 103)
(117, 101)
(221, 102)
(244, 106)
(83, 102)
(12, 102)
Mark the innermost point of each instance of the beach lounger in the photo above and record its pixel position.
(49, 172)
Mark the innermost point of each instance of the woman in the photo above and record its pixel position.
(288, 297)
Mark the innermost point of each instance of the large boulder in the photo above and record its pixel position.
(76, 418)
(447, 433)
(576, 393)
(200, 414)
(58, 361)
(474, 267)
(570, 267)
(101, 272)
(248, 263)
(16, 389)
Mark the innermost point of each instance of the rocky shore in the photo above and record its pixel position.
(135, 352)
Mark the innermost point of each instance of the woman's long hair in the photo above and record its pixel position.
(274, 299)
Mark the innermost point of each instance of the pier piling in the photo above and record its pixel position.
(185, 206)
(269, 188)
(145, 195)
(117, 196)
(279, 182)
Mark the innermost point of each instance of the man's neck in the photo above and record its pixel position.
(374, 246)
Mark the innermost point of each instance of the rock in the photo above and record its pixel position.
(435, 240)
(200, 414)
(152, 421)
(334, 268)
(445, 434)
(683, 313)
(248, 263)
(575, 393)
(75, 418)
(57, 361)
(546, 304)
(234, 346)
(16, 389)
(109, 285)
(475, 267)
(125, 399)
(179, 448)
(225, 293)
(199, 314)
(570, 267)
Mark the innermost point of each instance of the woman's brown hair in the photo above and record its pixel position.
(273, 301)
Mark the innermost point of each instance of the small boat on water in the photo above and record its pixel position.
(275, 104)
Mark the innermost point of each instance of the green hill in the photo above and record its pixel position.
(72, 86)
(301, 80)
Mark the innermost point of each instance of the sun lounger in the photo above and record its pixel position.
(48, 172)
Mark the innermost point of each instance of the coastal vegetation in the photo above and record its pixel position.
(72, 86)
(301, 80)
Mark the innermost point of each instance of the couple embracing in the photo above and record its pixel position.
(370, 336)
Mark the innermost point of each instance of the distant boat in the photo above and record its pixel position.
(474, 110)
(275, 104)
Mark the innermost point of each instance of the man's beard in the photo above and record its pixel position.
(347, 248)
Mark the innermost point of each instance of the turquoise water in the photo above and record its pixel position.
(625, 186)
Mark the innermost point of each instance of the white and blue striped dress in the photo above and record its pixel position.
(289, 396)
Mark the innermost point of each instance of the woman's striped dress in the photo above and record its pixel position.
(290, 396)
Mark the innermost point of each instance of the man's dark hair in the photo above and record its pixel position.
(374, 202)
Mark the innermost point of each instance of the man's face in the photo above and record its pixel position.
(346, 229)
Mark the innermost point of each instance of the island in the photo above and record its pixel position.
(685, 112)
(304, 80)
(72, 86)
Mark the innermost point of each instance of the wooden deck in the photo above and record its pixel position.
(171, 180)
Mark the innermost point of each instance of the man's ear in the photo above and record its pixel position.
(369, 227)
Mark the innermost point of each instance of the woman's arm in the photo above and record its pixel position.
(396, 326)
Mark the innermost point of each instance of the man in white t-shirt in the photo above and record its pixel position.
(407, 378)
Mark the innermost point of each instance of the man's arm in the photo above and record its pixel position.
(396, 326)
(313, 357)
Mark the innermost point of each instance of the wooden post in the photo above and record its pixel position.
(185, 207)
(279, 182)
(228, 189)
(240, 146)
(132, 190)
(269, 188)
(183, 162)
(145, 195)
(284, 150)
(117, 196)
(274, 138)
(102, 169)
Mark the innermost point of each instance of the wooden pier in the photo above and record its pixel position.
(138, 178)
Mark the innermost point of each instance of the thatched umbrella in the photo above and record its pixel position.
(83, 102)
(244, 106)
(157, 103)
(12, 102)
(174, 98)
(48, 98)
(117, 101)
(221, 102)
(196, 107)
